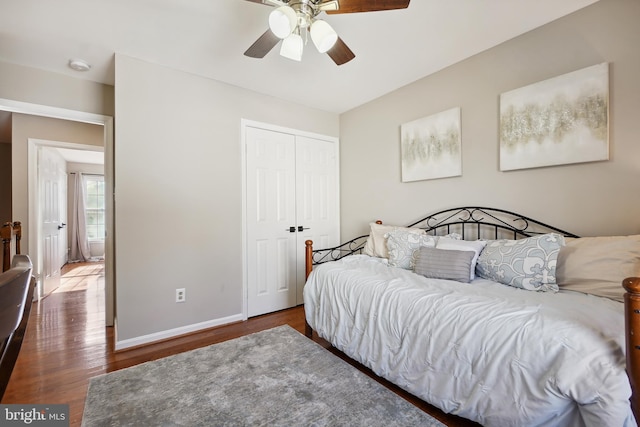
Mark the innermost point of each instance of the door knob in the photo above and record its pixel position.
(292, 229)
(300, 228)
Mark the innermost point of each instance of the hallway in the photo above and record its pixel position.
(82, 276)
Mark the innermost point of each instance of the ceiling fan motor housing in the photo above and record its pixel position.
(306, 11)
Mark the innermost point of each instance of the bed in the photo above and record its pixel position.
(487, 314)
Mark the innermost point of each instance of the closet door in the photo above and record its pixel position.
(317, 209)
(291, 196)
(271, 212)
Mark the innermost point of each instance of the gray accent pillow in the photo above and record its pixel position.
(526, 263)
(463, 245)
(444, 263)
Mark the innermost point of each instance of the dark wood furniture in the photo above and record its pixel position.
(17, 287)
(632, 329)
(7, 231)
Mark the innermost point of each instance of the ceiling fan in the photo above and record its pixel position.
(292, 20)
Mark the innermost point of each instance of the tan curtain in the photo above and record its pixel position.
(79, 239)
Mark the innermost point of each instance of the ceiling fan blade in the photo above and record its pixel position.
(340, 53)
(263, 45)
(351, 6)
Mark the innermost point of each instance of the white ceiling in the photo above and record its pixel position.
(209, 37)
(82, 156)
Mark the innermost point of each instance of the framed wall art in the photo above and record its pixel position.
(431, 147)
(558, 121)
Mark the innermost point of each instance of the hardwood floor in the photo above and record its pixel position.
(67, 343)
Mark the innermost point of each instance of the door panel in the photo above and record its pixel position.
(51, 171)
(270, 160)
(317, 198)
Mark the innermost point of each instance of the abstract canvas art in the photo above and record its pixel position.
(431, 147)
(557, 121)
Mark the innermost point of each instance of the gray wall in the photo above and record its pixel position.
(598, 198)
(5, 167)
(5, 182)
(178, 177)
(35, 86)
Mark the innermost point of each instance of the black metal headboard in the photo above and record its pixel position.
(471, 222)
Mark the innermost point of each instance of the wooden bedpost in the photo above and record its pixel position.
(632, 328)
(17, 230)
(308, 251)
(5, 235)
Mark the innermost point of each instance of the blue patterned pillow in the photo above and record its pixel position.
(526, 263)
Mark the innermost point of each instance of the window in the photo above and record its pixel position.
(94, 207)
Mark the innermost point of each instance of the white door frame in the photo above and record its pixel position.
(83, 117)
(244, 124)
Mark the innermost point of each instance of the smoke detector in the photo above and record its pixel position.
(79, 65)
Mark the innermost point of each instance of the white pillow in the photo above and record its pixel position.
(597, 265)
(376, 244)
(403, 247)
(463, 245)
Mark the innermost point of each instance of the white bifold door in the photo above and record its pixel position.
(291, 196)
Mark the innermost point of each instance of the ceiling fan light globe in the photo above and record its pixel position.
(323, 36)
(282, 21)
(292, 47)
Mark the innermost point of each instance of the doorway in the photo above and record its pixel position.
(69, 202)
(23, 198)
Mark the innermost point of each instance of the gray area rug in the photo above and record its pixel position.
(276, 377)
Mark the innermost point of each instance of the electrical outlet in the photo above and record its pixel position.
(181, 295)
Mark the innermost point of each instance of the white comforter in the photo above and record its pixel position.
(485, 351)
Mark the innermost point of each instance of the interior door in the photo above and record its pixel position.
(270, 221)
(50, 193)
(317, 195)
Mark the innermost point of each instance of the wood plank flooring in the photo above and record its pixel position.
(67, 343)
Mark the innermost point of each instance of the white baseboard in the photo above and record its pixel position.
(172, 333)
